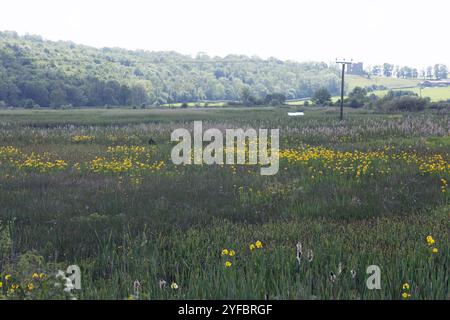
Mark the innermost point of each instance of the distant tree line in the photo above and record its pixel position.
(438, 71)
(35, 72)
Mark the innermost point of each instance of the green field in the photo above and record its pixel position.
(390, 83)
(84, 187)
(435, 93)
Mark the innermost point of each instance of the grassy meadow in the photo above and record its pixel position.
(390, 83)
(434, 93)
(85, 187)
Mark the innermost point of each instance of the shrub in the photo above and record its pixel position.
(29, 104)
(375, 87)
(440, 106)
(274, 99)
(400, 93)
(322, 97)
(357, 98)
(404, 103)
(232, 103)
(274, 102)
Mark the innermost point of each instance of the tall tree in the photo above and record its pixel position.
(322, 97)
(388, 69)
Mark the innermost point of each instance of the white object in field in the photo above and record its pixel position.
(295, 114)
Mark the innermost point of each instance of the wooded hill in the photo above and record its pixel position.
(35, 72)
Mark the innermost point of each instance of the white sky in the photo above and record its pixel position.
(405, 32)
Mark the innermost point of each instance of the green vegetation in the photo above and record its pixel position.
(35, 72)
(322, 97)
(366, 96)
(435, 93)
(62, 74)
(85, 187)
(382, 86)
(390, 83)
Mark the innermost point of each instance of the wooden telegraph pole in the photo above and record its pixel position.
(344, 63)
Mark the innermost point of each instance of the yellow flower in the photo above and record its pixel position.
(1, 284)
(435, 250)
(430, 240)
(42, 275)
(405, 286)
(232, 253)
(224, 252)
(258, 244)
(228, 264)
(406, 295)
(7, 277)
(30, 286)
(82, 138)
(252, 246)
(174, 286)
(35, 276)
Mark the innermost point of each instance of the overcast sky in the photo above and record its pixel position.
(405, 32)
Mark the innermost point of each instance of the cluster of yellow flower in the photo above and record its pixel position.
(40, 163)
(127, 164)
(126, 159)
(126, 149)
(432, 164)
(11, 287)
(8, 152)
(406, 295)
(35, 162)
(82, 138)
(359, 163)
(431, 242)
(101, 164)
(230, 253)
(443, 185)
(257, 245)
(356, 163)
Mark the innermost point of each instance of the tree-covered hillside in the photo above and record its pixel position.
(34, 71)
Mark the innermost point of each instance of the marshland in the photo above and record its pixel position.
(85, 187)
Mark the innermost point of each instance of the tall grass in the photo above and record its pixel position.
(171, 223)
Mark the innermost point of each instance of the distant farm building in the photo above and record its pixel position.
(356, 69)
